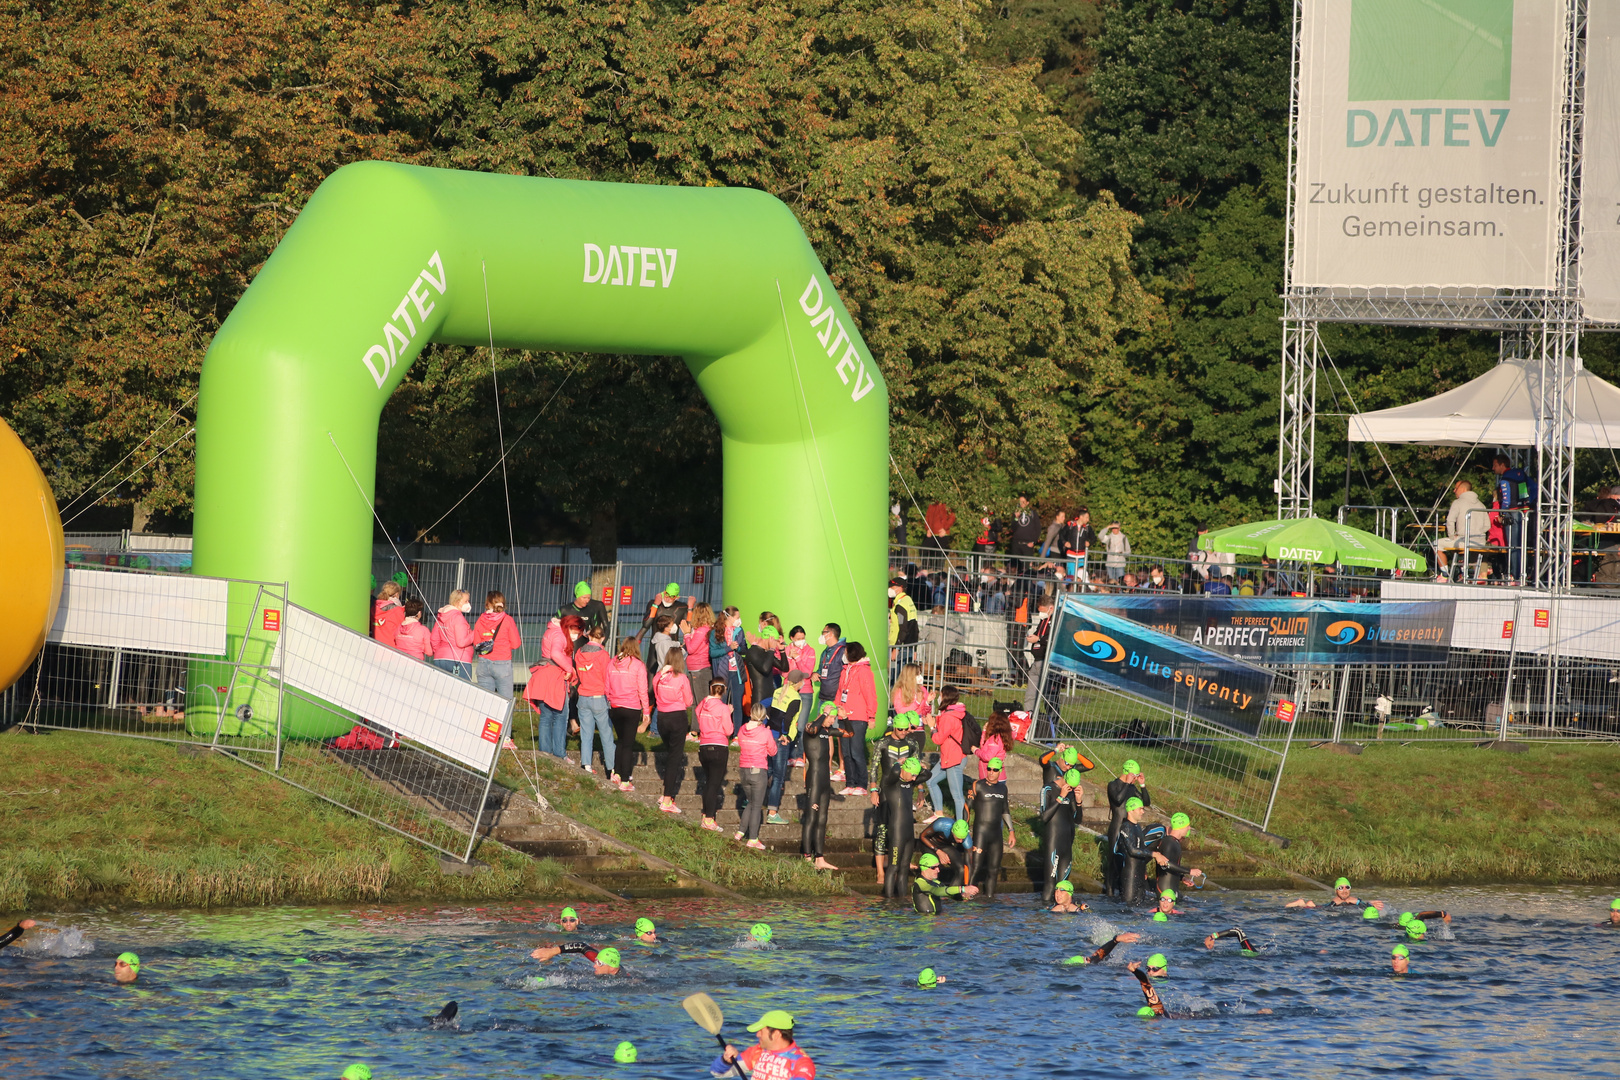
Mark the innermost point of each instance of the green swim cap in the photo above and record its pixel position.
(608, 958)
(907, 719)
(644, 926)
(760, 932)
(568, 913)
(1399, 950)
(768, 632)
(912, 766)
(1131, 767)
(1168, 894)
(1370, 913)
(357, 1072)
(1159, 916)
(1180, 821)
(1146, 1010)
(1342, 883)
(625, 1053)
(959, 830)
(1406, 917)
(829, 708)
(1072, 778)
(928, 862)
(1077, 960)
(132, 960)
(581, 588)
(1157, 960)
(1070, 755)
(1614, 905)
(996, 765)
(1416, 928)
(926, 978)
(1132, 803)
(1065, 886)
(672, 589)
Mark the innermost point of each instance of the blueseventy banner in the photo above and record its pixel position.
(1294, 631)
(1141, 660)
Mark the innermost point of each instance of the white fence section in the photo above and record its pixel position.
(153, 613)
(1502, 619)
(392, 690)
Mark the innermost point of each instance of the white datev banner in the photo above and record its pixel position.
(1428, 144)
(391, 690)
(1600, 167)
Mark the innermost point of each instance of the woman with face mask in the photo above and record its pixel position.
(452, 638)
(549, 681)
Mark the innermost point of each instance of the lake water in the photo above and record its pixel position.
(1521, 984)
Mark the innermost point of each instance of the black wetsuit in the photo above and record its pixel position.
(989, 815)
(895, 803)
(11, 935)
(1151, 995)
(583, 950)
(817, 744)
(1170, 875)
(1118, 793)
(1058, 815)
(926, 895)
(1132, 854)
(1102, 951)
(952, 853)
(1242, 939)
(1052, 770)
(888, 753)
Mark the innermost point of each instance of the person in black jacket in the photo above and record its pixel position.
(1026, 530)
(1039, 638)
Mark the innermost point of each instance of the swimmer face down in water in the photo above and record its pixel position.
(604, 962)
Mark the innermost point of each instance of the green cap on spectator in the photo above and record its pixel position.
(1132, 803)
(582, 588)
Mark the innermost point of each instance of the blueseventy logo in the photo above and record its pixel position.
(1099, 646)
(1345, 632)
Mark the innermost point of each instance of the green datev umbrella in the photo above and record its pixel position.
(1312, 540)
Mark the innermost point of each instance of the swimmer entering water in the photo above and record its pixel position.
(1064, 895)
(605, 961)
(28, 924)
(446, 1017)
(1154, 1006)
(1103, 950)
(1244, 945)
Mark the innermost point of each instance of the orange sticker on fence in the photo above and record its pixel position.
(1285, 711)
(625, 592)
(272, 619)
(1507, 629)
(697, 574)
(607, 594)
(1541, 616)
(556, 575)
(963, 603)
(492, 730)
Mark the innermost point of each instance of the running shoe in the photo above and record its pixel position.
(796, 763)
(776, 819)
(712, 827)
(590, 771)
(756, 845)
(626, 787)
(836, 777)
(737, 836)
(853, 791)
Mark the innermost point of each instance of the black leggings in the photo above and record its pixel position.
(672, 728)
(625, 722)
(713, 759)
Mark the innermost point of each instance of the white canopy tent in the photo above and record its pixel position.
(1497, 409)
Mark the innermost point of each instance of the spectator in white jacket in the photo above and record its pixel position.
(1466, 524)
(1119, 546)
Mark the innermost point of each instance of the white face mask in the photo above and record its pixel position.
(893, 593)
(466, 608)
(572, 636)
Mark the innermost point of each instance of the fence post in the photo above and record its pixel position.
(613, 608)
(461, 573)
(281, 666)
(112, 688)
(1276, 781)
(1343, 673)
(1507, 685)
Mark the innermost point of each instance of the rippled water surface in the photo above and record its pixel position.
(1521, 984)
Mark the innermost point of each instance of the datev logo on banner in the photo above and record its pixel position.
(1345, 632)
(1099, 646)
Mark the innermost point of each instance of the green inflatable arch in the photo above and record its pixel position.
(386, 258)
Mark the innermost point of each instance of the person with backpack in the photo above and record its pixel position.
(857, 706)
(628, 707)
(495, 638)
(955, 739)
(452, 638)
(549, 683)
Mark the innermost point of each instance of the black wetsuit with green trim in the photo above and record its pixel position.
(11, 935)
(1150, 994)
(1059, 816)
(817, 746)
(989, 803)
(1242, 940)
(1052, 770)
(1102, 951)
(1118, 793)
(887, 755)
(952, 853)
(895, 803)
(1133, 854)
(926, 895)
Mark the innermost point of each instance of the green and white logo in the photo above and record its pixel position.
(1431, 50)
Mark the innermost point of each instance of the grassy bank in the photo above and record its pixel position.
(1432, 815)
(93, 821)
(706, 854)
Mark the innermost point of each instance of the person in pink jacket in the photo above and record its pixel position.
(996, 741)
(549, 682)
(801, 656)
(387, 613)
(452, 638)
(495, 638)
(756, 744)
(857, 705)
(672, 695)
(948, 737)
(591, 669)
(413, 639)
(714, 739)
(628, 708)
(910, 695)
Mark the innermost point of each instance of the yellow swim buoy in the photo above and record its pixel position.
(31, 549)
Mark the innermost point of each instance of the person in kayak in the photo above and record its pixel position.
(1104, 949)
(604, 961)
(988, 798)
(927, 890)
(1060, 810)
(776, 1057)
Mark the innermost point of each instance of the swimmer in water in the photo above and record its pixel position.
(760, 933)
(927, 979)
(1167, 906)
(646, 933)
(1613, 920)
(1104, 949)
(1416, 930)
(1148, 993)
(604, 961)
(357, 1071)
(927, 890)
(127, 968)
(568, 920)
(28, 924)
(1065, 899)
(1341, 897)
(1397, 959)
(1244, 945)
(446, 1017)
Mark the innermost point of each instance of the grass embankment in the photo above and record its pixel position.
(1454, 814)
(710, 855)
(91, 820)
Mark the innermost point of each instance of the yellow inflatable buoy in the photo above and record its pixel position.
(31, 551)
